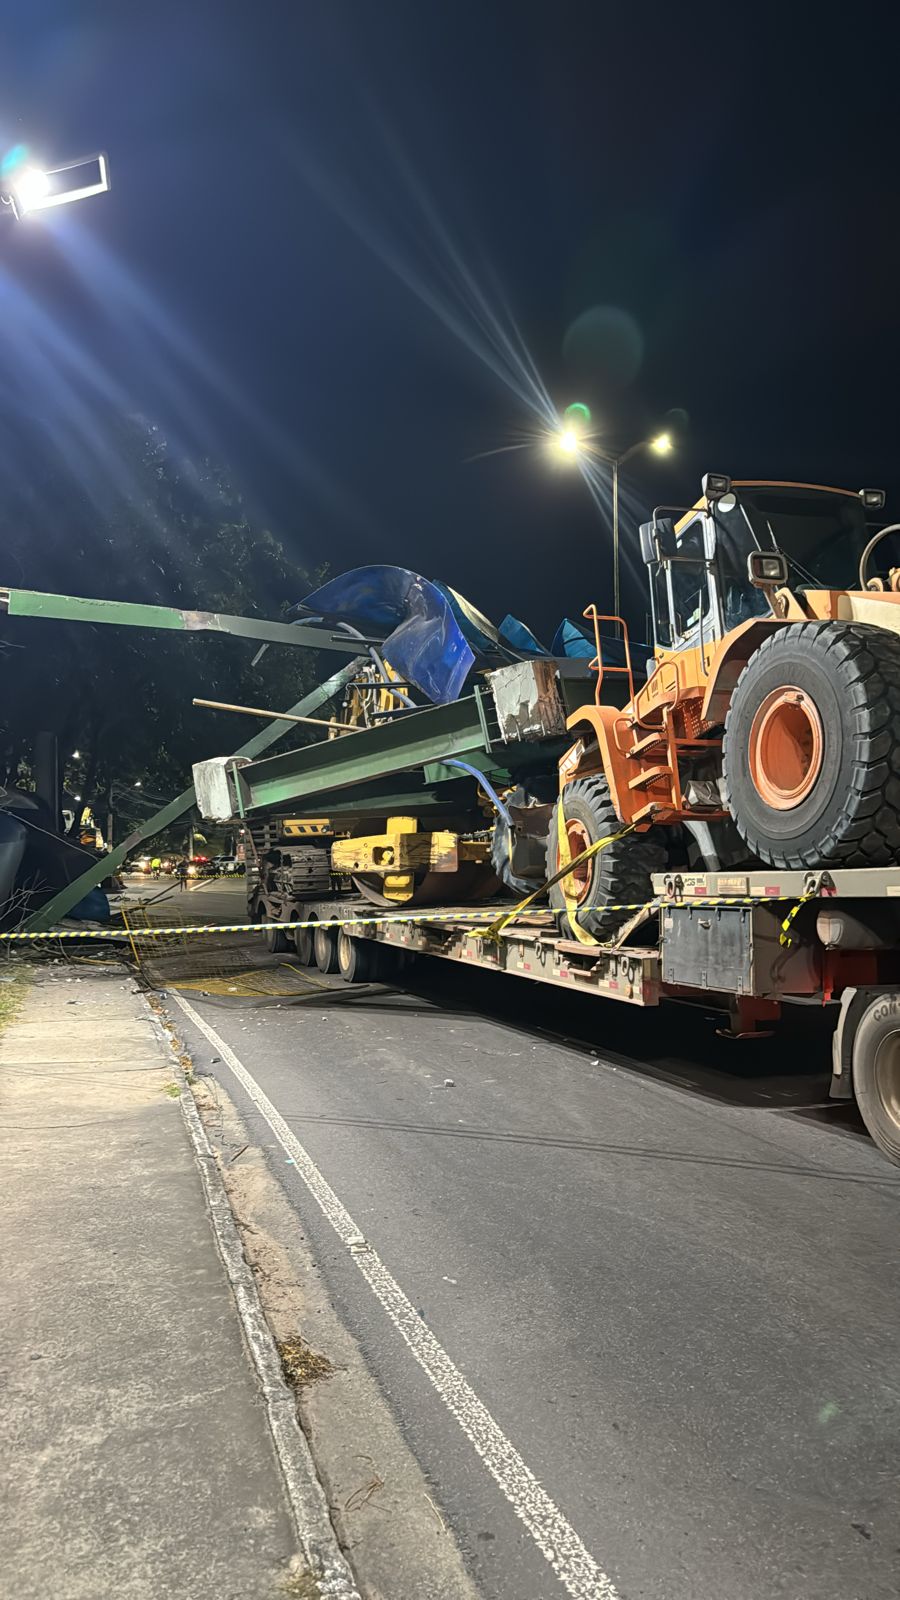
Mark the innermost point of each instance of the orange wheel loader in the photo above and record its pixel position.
(768, 727)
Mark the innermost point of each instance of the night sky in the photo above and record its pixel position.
(325, 215)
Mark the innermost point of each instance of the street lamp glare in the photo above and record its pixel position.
(567, 442)
(31, 186)
(35, 189)
(662, 444)
(76, 755)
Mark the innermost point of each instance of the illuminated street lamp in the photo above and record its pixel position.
(571, 442)
(26, 188)
(566, 442)
(569, 439)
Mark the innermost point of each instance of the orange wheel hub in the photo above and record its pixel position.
(579, 880)
(786, 747)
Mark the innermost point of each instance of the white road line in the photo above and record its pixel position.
(554, 1536)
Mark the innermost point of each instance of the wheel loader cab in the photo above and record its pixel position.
(701, 589)
(684, 583)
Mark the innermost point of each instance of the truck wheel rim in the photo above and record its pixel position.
(786, 747)
(887, 1076)
(577, 883)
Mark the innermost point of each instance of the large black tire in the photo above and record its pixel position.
(619, 874)
(357, 959)
(501, 851)
(325, 949)
(275, 939)
(876, 1072)
(303, 944)
(847, 674)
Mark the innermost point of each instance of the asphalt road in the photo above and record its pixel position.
(666, 1266)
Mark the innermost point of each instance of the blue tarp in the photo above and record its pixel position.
(521, 638)
(573, 640)
(93, 907)
(425, 646)
(433, 636)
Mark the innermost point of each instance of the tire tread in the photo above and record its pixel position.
(623, 868)
(866, 831)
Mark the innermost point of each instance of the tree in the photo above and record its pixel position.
(167, 531)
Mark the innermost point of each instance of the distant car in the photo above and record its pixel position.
(226, 864)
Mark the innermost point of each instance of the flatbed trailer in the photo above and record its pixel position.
(747, 944)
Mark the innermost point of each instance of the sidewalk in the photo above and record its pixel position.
(137, 1460)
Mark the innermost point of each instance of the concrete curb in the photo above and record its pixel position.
(309, 1507)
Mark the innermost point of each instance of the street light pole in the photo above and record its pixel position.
(570, 445)
(614, 463)
(574, 445)
(615, 535)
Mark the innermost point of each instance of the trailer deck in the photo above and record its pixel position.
(742, 943)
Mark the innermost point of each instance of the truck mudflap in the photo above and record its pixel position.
(854, 1004)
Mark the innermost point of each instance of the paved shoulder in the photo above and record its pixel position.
(137, 1459)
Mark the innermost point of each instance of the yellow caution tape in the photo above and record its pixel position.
(785, 937)
(374, 917)
(364, 917)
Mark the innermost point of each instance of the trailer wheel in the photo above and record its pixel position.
(619, 874)
(357, 958)
(275, 939)
(876, 1072)
(303, 944)
(325, 949)
(811, 749)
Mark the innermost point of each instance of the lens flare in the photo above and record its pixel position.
(30, 187)
(578, 415)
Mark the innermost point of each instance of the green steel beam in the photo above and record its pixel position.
(399, 797)
(125, 613)
(414, 739)
(51, 913)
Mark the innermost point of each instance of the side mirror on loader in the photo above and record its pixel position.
(714, 486)
(767, 569)
(657, 540)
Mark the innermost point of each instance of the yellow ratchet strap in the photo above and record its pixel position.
(568, 862)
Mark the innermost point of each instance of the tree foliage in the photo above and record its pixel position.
(168, 532)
